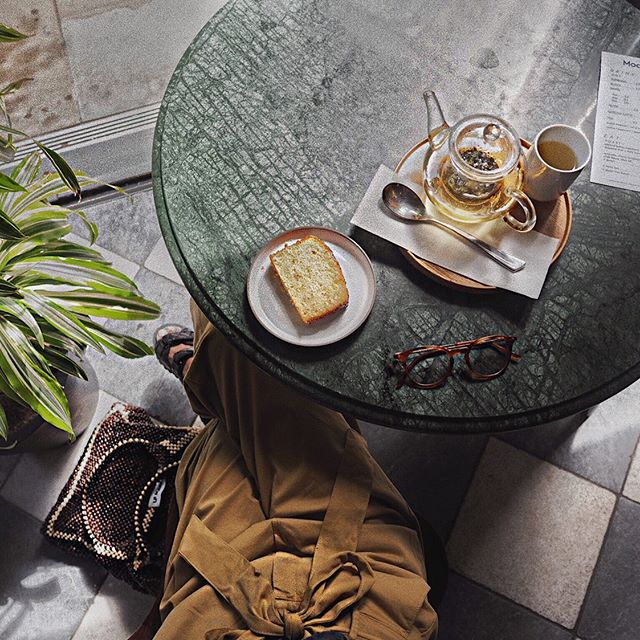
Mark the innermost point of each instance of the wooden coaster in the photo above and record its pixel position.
(554, 220)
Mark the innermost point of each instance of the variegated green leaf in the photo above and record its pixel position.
(7, 34)
(63, 320)
(8, 228)
(62, 362)
(15, 132)
(43, 210)
(91, 226)
(35, 386)
(22, 340)
(5, 113)
(124, 346)
(103, 305)
(53, 338)
(47, 230)
(4, 425)
(86, 179)
(13, 250)
(6, 390)
(38, 212)
(27, 170)
(45, 188)
(30, 280)
(78, 272)
(13, 86)
(15, 308)
(7, 288)
(52, 250)
(63, 169)
(9, 184)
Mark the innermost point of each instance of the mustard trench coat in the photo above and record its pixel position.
(287, 525)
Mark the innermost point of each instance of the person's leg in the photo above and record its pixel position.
(290, 444)
(173, 345)
(291, 448)
(285, 439)
(175, 354)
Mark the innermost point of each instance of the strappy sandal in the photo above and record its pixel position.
(170, 335)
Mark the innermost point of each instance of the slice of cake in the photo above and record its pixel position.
(312, 278)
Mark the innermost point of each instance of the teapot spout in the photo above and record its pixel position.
(436, 123)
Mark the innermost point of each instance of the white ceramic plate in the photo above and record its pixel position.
(276, 314)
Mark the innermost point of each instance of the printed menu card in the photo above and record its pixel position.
(616, 143)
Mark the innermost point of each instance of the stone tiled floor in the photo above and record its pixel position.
(91, 58)
(44, 593)
(43, 58)
(542, 524)
(526, 517)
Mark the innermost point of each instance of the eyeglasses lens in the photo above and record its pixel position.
(490, 358)
(430, 368)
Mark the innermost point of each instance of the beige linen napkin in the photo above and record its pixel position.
(448, 250)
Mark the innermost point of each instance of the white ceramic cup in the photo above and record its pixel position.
(544, 182)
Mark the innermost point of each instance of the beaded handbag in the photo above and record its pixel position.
(114, 506)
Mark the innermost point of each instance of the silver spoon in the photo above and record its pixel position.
(406, 204)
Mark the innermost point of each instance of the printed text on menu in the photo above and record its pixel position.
(616, 144)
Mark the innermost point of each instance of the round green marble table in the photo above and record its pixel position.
(280, 113)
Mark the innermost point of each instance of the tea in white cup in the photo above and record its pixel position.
(555, 159)
(557, 155)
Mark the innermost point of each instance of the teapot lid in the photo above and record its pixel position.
(484, 147)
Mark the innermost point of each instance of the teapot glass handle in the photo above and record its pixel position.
(527, 206)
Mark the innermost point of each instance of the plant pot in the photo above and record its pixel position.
(29, 432)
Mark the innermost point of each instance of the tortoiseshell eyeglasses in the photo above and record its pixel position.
(430, 366)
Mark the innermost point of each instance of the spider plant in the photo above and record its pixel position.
(52, 290)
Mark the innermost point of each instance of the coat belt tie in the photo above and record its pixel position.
(293, 626)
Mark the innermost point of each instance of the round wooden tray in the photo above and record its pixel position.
(554, 220)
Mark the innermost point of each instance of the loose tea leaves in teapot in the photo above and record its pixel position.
(479, 159)
(472, 171)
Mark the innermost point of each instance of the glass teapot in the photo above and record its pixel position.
(473, 171)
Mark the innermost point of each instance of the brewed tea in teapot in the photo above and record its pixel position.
(473, 171)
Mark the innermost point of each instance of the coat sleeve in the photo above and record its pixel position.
(425, 626)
